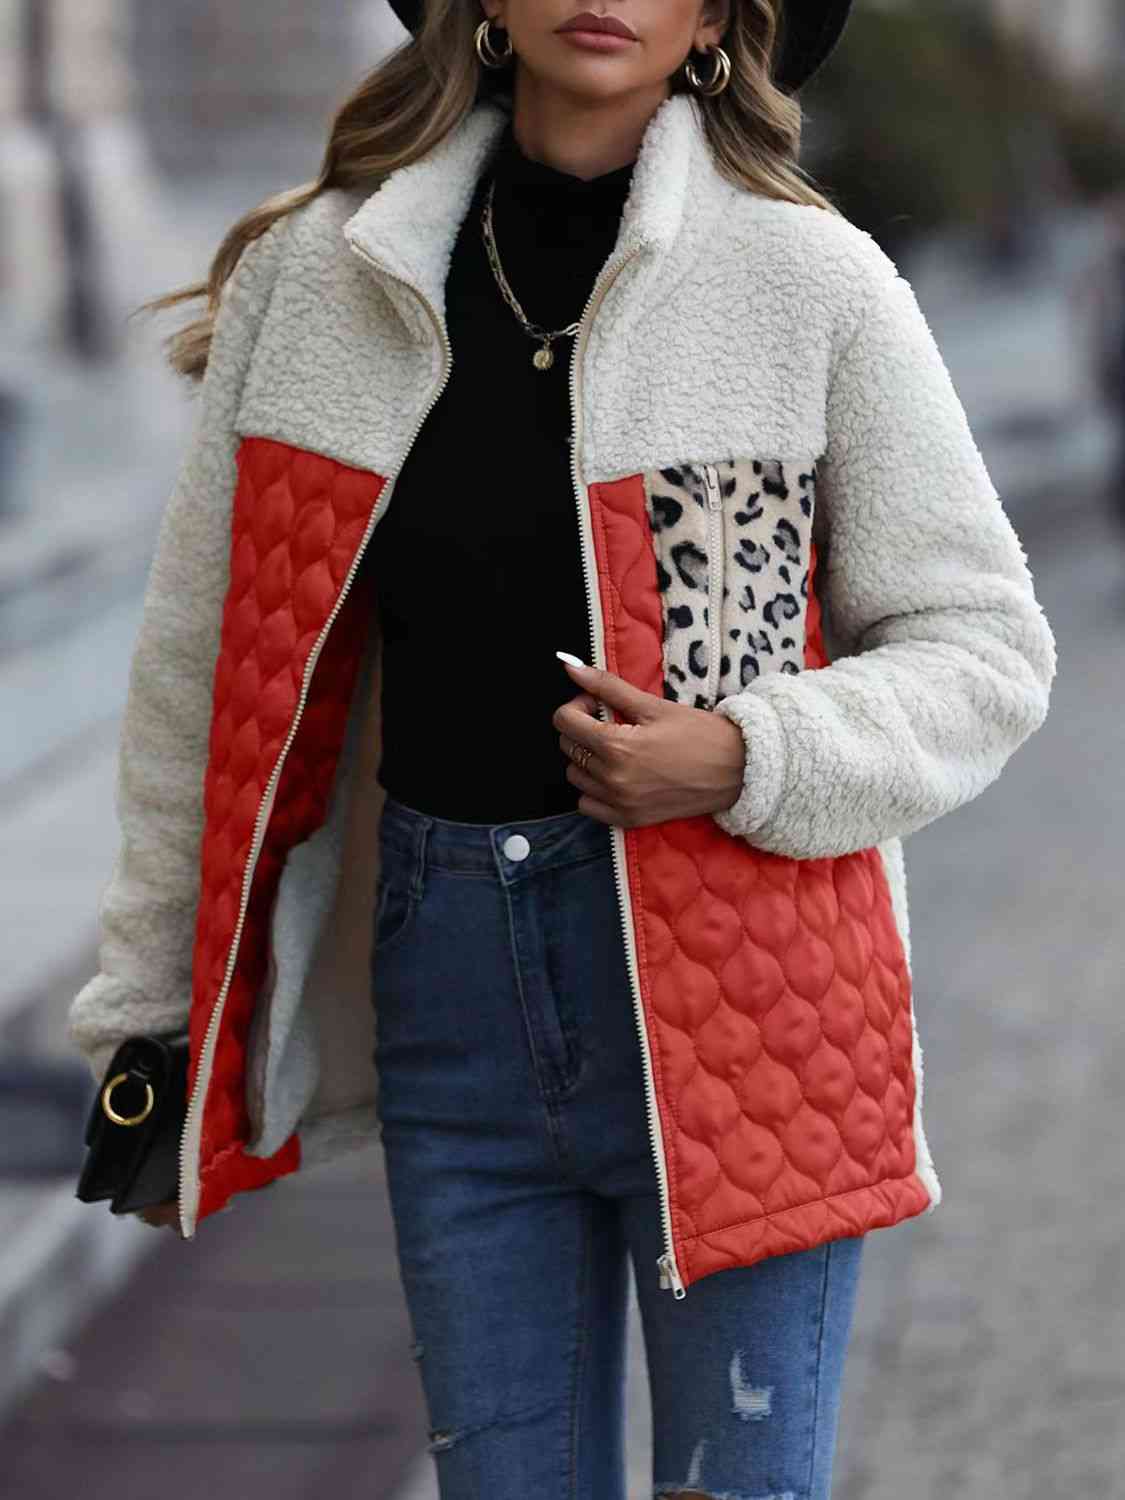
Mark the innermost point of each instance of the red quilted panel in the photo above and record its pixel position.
(776, 994)
(815, 654)
(298, 520)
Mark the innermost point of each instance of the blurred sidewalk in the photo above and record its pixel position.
(268, 1356)
(987, 1359)
(1013, 340)
(94, 462)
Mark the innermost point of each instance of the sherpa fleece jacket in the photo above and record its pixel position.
(781, 510)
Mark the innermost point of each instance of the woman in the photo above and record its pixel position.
(638, 929)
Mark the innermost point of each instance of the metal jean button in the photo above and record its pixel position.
(516, 846)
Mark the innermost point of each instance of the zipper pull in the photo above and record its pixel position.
(714, 496)
(670, 1277)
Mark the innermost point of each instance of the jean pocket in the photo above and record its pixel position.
(397, 904)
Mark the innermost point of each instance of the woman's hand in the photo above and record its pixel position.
(666, 761)
(159, 1214)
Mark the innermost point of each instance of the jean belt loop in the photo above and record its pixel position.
(421, 844)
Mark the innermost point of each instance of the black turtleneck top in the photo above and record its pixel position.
(476, 564)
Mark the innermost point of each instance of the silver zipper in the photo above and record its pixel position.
(265, 806)
(668, 1270)
(714, 579)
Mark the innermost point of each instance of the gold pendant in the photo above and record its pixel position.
(543, 358)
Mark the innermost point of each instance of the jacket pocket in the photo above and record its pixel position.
(732, 542)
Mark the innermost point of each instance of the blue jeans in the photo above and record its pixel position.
(521, 1182)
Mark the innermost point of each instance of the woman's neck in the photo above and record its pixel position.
(583, 142)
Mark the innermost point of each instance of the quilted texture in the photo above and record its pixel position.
(298, 520)
(776, 993)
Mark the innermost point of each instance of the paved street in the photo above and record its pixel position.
(989, 1353)
(272, 1357)
(267, 1357)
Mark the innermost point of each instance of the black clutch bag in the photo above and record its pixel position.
(133, 1131)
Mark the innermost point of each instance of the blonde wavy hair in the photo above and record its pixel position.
(424, 88)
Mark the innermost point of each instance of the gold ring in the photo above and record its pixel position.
(117, 1119)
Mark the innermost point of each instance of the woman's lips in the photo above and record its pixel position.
(598, 41)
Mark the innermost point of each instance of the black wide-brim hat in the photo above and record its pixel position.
(809, 31)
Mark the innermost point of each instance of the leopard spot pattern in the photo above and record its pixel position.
(754, 517)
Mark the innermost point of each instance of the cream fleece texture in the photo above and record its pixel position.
(946, 657)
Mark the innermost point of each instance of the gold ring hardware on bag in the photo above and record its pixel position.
(150, 1100)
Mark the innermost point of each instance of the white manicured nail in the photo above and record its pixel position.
(573, 660)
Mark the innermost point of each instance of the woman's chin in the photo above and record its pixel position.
(601, 77)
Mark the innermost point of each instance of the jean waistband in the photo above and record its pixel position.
(508, 851)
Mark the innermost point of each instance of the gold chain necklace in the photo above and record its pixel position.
(543, 358)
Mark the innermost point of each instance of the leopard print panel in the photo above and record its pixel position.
(734, 533)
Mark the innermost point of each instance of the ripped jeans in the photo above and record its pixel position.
(522, 1184)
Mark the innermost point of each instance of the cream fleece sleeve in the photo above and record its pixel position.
(945, 658)
(148, 907)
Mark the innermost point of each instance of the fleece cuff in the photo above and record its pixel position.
(764, 775)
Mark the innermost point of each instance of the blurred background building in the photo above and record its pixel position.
(982, 142)
(254, 78)
(1085, 40)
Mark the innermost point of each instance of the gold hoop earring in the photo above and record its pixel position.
(485, 51)
(716, 83)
